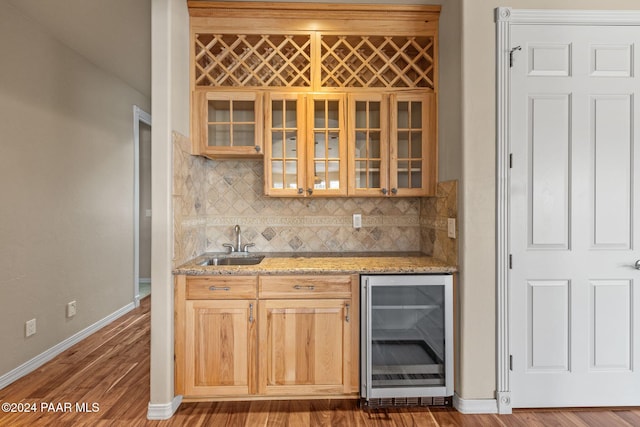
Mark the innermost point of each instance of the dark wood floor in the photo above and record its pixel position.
(111, 369)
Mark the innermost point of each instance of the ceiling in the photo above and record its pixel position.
(115, 35)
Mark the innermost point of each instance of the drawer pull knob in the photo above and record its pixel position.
(299, 287)
(216, 288)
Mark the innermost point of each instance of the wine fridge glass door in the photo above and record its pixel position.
(408, 336)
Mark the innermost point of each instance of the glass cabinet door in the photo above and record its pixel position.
(413, 145)
(406, 336)
(327, 153)
(231, 124)
(284, 160)
(368, 145)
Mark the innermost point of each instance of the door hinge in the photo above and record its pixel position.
(510, 160)
(510, 262)
(511, 362)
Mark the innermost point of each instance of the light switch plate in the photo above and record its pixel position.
(71, 309)
(451, 228)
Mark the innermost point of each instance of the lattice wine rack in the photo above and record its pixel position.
(233, 60)
(383, 62)
(345, 61)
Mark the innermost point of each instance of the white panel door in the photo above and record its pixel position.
(575, 216)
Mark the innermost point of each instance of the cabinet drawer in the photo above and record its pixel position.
(305, 286)
(221, 287)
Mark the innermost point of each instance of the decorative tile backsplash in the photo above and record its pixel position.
(188, 194)
(210, 197)
(434, 212)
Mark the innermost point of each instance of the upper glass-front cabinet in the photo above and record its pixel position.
(392, 148)
(385, 147)
(306, 149)
(413, 162)
(284, 145)
(341, 98)
(368, 145)
(230, 125)
(327, 164)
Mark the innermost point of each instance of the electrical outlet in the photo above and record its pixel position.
(357, 221)
(71, 309)
(30, 328)
(451, 228)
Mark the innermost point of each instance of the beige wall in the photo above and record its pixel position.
(66, 179)
(477, 296)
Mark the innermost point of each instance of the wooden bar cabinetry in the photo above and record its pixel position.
(359, 82)
(267, 336)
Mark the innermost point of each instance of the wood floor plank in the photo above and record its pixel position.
(300, 413)
(258, 413)
(630, 416)
(561, 418)
(345, 413)
(278, 413)
(322, 412)
(519, 419)
(589, 418)
(421, 418)
(111, 368)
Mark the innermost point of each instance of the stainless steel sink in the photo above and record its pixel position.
(232, 260)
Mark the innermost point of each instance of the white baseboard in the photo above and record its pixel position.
(475, 406)
(163, 411)
(33, 364)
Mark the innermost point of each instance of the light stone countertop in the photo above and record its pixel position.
(328, 263)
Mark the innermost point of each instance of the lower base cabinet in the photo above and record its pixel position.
(266, 337)
(306, 347)
(220, 347)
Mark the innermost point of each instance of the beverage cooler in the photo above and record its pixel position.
(407, 336)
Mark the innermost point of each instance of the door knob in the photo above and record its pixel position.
(638, 264)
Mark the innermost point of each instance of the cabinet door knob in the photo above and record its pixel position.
(257, 147)
(394, 191)
(384, 191)
(300, 190)
(309, 191)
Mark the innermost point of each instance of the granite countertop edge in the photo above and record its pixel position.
(328, 263)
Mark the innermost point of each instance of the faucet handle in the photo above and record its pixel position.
(247, 246)
(229, 246)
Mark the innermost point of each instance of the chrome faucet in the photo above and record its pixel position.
(238, 246)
